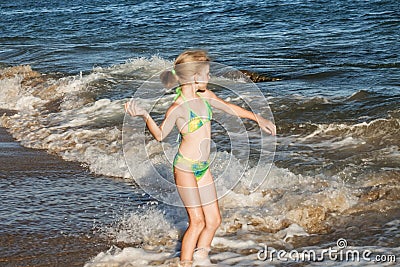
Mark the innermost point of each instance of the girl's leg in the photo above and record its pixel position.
(189, 240)
(212, 216)
(189, 193)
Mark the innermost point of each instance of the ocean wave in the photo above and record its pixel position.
(360, 95)
(369, 65)
(348, 150)
(379, 132)
(320, 75)
(68, 117)
(307, 116)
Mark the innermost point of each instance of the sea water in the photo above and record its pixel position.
(67, 68)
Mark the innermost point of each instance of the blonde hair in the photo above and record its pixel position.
(186, 66)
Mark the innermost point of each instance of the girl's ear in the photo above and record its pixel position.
(196, 78)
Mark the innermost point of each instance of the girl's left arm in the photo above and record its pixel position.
(266, 125)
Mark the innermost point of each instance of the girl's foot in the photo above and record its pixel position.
(185, 263)
(200, 257)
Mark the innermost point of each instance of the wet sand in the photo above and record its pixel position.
(53, 211)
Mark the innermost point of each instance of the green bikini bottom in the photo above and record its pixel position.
(198, 167)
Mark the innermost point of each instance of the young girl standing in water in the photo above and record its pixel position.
(191, 112)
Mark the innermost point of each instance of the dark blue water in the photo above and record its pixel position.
(292, 39)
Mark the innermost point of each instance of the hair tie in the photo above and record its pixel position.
(173, 72)
(178, 91)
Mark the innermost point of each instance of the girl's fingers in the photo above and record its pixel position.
(130, 107)
(266, 129)
(269, 128)
(272, 128)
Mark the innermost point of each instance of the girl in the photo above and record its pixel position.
(191, 112)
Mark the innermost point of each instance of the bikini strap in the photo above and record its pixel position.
(179, 138)
(179, 94)
(209, 110)
(178, 91)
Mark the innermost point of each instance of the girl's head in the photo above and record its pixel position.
(190, 66)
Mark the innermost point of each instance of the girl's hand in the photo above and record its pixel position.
(266, 125)
(133, 109)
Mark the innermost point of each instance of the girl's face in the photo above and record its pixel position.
(203, 77)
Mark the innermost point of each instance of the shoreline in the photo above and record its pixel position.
(24, 245)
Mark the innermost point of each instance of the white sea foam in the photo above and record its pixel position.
(283, 209)
(307, 256)
(142, 66)
(127, 257)
(147, 226)
(341, 132)
(13, 96)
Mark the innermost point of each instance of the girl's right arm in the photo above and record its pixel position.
(159, 132)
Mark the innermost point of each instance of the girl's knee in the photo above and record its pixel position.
(197, 222)
(214, 222)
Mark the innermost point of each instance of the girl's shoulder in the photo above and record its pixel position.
(175, 108)
(208, 95)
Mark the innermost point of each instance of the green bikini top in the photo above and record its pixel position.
(195, 121)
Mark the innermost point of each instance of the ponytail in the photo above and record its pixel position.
(169, 78)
